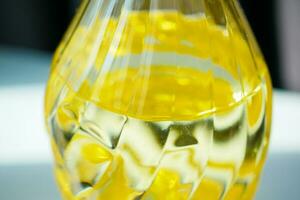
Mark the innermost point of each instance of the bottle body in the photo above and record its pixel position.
(158, 100)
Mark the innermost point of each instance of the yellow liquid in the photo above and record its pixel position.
(175, 116)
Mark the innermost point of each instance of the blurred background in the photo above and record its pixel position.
(40, 25)
(29, 33)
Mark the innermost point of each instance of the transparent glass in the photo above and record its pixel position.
(158, 100)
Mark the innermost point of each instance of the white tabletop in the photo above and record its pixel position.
(22, 82)
(24, 144)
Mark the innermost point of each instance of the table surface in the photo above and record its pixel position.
(25, 157)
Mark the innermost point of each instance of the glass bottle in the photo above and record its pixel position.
(158, 99)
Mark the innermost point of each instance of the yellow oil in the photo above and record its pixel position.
(166, 111)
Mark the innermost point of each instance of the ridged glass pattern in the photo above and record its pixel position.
(158, 100)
